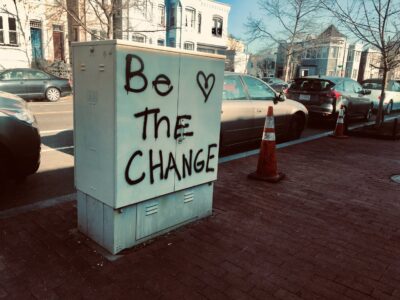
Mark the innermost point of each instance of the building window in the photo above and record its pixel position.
(350, 56)
(12, 31)
(355, 73)
(334, 52)
(188, 46)
(160, 42)
(171, 42)
(75, 34)
(1, 31)
(172, 16)
(217, 26)
(96, 35)
(199, 23)
(161, 15)
(93, 35)
(205, 50)
(190, 14)
(139, 38)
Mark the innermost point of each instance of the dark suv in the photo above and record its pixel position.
(19, 139)
(323, 96)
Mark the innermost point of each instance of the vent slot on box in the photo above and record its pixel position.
(188, 197)
(152, 209)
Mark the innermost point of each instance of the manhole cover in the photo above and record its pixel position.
(395, 178)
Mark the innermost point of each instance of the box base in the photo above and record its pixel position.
(118, 229)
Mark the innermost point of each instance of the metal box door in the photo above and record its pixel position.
(200, 93)
(147, 86)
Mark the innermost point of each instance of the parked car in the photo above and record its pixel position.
(392, 93)
(19, 139)
(277, 84)
(244, 107)
(34, 84)
(324, 95)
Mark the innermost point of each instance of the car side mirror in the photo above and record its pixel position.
(279, 98)
(366, 92)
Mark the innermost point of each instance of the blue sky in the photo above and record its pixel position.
(240, 10)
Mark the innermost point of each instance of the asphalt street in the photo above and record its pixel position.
(55, 177)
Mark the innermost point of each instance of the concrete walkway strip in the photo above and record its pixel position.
(36, 206)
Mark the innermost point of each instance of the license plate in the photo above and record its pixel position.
(304, 97)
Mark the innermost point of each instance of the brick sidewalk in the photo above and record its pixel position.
(331, 230)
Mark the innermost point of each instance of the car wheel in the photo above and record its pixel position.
(296, 126)
(389, 108)
(53, 94)
(368, 114)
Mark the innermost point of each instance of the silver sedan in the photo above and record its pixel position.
(245, 102)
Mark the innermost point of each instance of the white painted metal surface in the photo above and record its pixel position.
(138, 111)
(146, 132)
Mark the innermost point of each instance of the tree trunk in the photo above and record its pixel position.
(288, 62)
(380, 113)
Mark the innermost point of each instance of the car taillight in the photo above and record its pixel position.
(285, 91)
(335, 94)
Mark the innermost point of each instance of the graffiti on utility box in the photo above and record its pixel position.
(154, 124)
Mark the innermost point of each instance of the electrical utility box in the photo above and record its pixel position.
(146, 133)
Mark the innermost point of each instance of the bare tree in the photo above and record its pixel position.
(376, 23)
(105, 13)
(294, 16)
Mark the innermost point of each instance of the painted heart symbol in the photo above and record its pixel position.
(204, 85)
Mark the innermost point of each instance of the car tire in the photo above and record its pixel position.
(296, 126)
(368, 114)
(53, 94)
(389, 108)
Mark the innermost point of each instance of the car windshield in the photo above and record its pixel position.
(311, 84)
(372, 85)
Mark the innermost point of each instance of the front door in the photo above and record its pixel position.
(58, 45)
(36, 41)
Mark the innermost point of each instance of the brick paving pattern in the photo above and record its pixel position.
(330, 230)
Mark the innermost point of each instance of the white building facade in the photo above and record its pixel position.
(32, 33)
(200, 25)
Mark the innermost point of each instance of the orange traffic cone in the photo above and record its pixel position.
(267, 167)
(340, 126)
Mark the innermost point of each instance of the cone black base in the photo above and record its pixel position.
(272, 179)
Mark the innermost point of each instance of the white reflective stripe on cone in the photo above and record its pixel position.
(340, 121)
(268, 136)
(269, 122)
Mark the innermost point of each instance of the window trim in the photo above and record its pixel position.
(188, 43)
(161, 17)
(12, 31)
(192, 11)
(138, 35)
(1, 31)
(215, 21)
